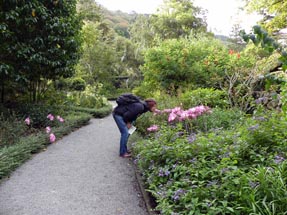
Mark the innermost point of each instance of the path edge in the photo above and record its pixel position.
(144, 193)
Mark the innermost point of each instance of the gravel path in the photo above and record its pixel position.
(80, 174)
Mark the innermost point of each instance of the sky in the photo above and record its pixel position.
(221, 16)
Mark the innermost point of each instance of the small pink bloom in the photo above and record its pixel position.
(48, 129)
(172, 116)
(50, 117)
(27, 121)
(167, 110)
(60, 119)
(183, 115)
(52, 138)
(157, 111)
(153, 128)
(176, 110)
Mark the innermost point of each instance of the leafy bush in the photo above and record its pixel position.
(95, 112)
(218, 119)
(204, 96)
(88, 98)
(37, 113)
(77, 84)
(11, 129)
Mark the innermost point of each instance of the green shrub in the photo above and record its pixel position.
(218, 119)
(95, 112)
(77, 84)
(11, 128)
(204, 96)
(37, 113)
(88, 98)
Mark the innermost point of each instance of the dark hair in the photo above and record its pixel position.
(150, 103)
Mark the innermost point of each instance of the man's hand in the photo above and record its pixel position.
(129, 125)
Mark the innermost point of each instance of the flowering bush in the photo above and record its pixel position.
(178, 114)
(48, 129)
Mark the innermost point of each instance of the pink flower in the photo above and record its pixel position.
(153, 128)
(52, 138)
(167, 110)
(50, 117)
(60, 119)
(27, 121)
(157, 111)
(48, 129)
(172, 116)
(183, 115)
(176, 110)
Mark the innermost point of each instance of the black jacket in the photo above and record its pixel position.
(130, 112)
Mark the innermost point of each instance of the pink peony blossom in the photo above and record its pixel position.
(52, 138)
(48, 129)
(50, 117)
(167, 111)
(153, 128)
(27, 121)
(172, 116)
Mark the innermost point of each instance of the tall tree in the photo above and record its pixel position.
(274, 13)
(178, 18)
(39, 41)
(89, 10)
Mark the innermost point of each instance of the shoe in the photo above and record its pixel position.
(126, 155)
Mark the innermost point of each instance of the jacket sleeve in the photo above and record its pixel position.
(133, 111)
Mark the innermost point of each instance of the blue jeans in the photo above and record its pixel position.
(124, 133)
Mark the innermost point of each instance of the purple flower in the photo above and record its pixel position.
(167, 173)
(278, 159)
(193, 160)
(261, 100)
(177, 194)
(211, 183)
(254, 127)
(260, 118)
(191, 138)
(253, 184)
(161, 173)
(224, 170)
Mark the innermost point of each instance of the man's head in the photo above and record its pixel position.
(151, 103)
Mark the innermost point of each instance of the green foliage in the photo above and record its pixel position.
(11, 129)
(89, 10)
(261, 37)
(89, 98)
(38, 114)
(39, 40)
(202, 62)
(204, 96)
(95, 112)
(77, 84)
(218, 119)
(273, 13)
(177, 18)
